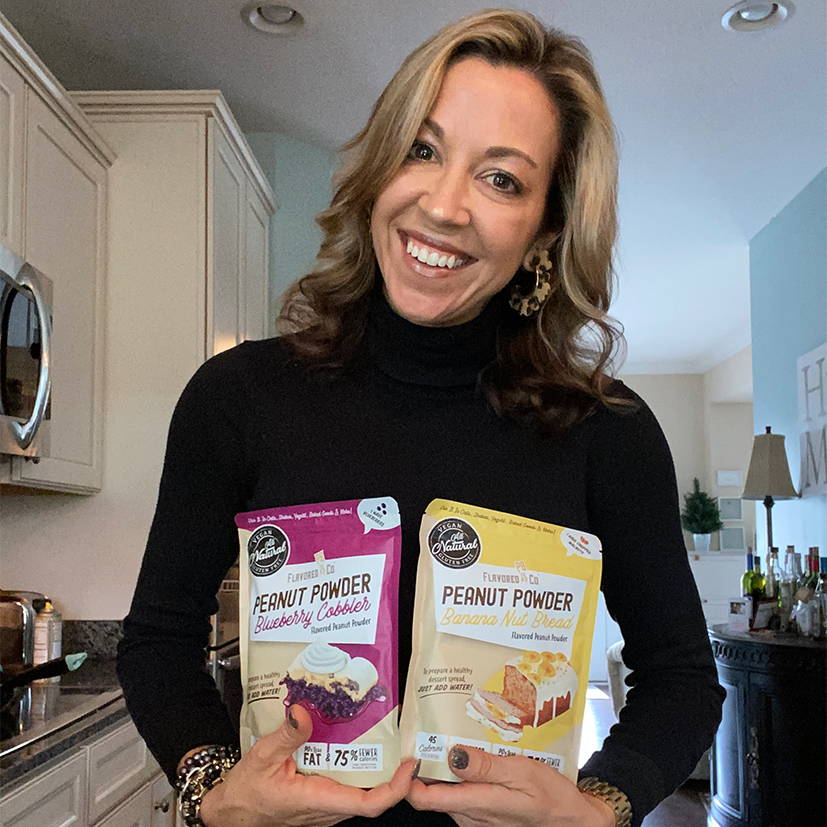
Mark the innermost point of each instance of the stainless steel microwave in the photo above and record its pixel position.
(25, 377)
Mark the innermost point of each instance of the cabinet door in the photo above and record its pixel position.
(136, 812)
(65, 212)
(225, 245)
(55, 798)
(731, 782)
(163, 803)
(12, 117)
(257, 322)
(787, 710)
(119, 763)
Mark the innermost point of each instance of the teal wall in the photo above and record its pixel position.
(788, 294)
(300, 174)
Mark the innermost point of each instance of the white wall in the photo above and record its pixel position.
(707, 419)
(727, 390)
(299, 173)
(677, 401)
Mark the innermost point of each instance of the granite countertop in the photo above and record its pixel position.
(64, 715)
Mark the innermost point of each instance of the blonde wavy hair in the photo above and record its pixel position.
(552, 369)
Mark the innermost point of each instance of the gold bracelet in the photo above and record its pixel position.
(614, 797)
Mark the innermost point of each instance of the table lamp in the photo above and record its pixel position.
(768, 477)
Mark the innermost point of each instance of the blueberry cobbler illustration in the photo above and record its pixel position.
(327, 680)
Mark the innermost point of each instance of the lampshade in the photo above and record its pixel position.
(769, 472)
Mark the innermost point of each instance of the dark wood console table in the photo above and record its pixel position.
(770, 752)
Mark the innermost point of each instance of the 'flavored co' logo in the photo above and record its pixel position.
(267, 549)
(454, 543)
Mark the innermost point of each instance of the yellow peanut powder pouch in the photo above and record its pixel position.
(502, 633)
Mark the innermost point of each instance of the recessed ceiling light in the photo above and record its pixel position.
(751, 15)
(272, 18)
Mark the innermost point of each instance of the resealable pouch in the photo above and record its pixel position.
(502, 632)
(318, 614)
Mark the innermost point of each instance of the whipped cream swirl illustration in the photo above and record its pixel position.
(324, 659)
(329, 680)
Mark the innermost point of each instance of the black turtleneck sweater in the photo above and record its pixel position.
(254, 429)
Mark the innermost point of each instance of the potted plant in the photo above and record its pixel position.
(700, 516)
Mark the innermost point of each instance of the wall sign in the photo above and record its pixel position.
(812, 421)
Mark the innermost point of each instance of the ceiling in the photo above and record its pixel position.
(718, 131)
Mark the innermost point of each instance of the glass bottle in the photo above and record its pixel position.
(747, 577)
(813, 568)
(820, 603)
(48, 637)
(759, 582)
(773, 574)
(798, 571)
(786, 590)
(772, 589)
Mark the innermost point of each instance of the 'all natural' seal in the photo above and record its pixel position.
(455, 543)
(267, 549)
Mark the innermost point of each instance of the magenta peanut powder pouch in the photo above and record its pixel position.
(318, 612)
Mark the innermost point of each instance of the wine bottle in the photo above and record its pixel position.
(786, 591)
(758, 580)
(747, 577)
(773, 574)
(773, 588)
(757, 585)
(799, 572)
(819, 625)
(813, 568)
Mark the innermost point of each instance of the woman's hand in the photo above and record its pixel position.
(515, 790)
(264, 789)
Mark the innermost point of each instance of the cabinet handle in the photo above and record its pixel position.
(163, 806)
(752, 759)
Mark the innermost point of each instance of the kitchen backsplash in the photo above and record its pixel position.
(98, 638)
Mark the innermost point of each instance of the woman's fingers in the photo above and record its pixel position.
(496, 784)
(455, 798)
(278, 747)
(350, 801)
(471, 764)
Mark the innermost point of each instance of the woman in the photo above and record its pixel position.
(452, 341)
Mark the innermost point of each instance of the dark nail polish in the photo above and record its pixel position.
(416, 768)
(291, 720)
(458, 758)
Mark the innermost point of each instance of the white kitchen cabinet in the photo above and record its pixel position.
(718, 576)
(118, 764)
(152, 806)
(163, 803)
(12, 133)
(55, 798)
(135, 812)
(53, 213)
(257, 324)
(111, 781)
(188, 230)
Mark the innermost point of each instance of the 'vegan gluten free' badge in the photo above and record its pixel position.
(267, 550)
(454, 543)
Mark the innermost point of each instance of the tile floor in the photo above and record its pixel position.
(686, 807)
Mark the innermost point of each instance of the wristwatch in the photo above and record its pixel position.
(614, 797)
